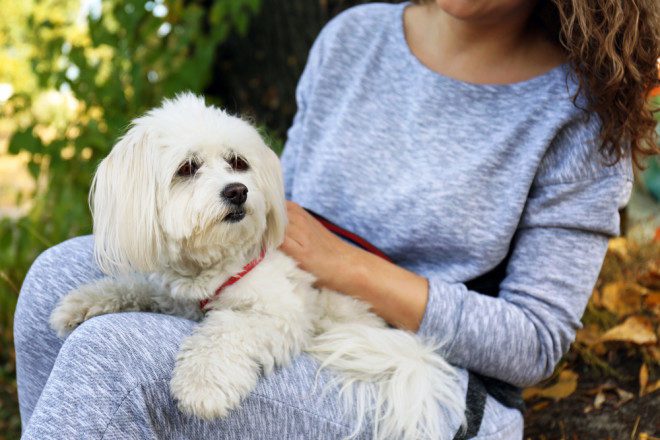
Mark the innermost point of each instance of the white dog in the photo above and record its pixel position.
(192, 196)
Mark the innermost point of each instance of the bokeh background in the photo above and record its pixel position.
(74, 72)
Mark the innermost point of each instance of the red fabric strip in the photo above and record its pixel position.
(233, 279)
(353, 238)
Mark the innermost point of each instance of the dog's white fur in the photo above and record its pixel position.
(165, 242)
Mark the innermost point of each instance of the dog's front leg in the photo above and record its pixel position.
(220, 363)
(128, 293)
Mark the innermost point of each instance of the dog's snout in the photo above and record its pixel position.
(235, 193)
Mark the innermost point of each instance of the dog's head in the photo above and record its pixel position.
(187, 186)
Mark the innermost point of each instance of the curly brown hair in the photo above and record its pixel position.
(613, 46)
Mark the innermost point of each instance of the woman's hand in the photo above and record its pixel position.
(316, 249)
(395, 294)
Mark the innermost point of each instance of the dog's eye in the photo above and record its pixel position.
(237, 163)
(188, 169)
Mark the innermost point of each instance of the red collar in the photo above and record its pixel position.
(233, 279)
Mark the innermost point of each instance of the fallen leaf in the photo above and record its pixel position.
(636, 329)
(588, 335)
(653, 387)
(607, 393)
(653, 352)
(651, 276)
(541, 405)
(624, 396)
(652, 303)
(619, 246)
(643, 379)
(599, 400)
(596, 298)
(565, 386)
(622, 298)
(607, 386)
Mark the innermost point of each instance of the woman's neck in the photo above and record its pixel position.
(490, 49)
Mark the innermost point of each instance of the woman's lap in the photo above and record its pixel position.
(110, 378)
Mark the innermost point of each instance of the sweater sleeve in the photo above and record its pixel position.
(557, 253)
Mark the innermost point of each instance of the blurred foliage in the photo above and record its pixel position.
(95, 68)
(10, 424)
(651, 176)
(79, 74)
(14, 42)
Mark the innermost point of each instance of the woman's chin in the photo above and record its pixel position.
(482, 10)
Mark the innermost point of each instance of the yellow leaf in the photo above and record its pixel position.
(619, 246)
(653, 351)
(653, 387)
(564, 387)
(636, 329)
(541, 405)
(651, 277)
(588, 335)
(652, 303)
(643, 379)
(621, 298)
(596, 299)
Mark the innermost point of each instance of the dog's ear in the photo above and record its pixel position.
(272, 184)
(122, 199)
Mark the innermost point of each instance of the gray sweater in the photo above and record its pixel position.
(446, 177)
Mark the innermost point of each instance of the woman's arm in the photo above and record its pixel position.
(519, 336)
(395, 294)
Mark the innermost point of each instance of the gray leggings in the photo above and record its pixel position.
(109, 378)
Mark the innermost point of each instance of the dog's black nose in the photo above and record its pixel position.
(235, 193)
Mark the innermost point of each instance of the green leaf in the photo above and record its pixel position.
(24, 140)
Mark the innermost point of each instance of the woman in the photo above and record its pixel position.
(445, 133)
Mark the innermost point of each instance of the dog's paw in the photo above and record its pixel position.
(198, 399)
(73, 309)
(206, 386)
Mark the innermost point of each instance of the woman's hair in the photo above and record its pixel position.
(613, 47)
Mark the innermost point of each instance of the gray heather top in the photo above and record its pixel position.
(444, 176)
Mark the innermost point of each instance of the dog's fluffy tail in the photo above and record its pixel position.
(391, 378)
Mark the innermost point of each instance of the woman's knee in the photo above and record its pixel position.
(120, 347)
(58, 270)
(54, 273)
(101, 364)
